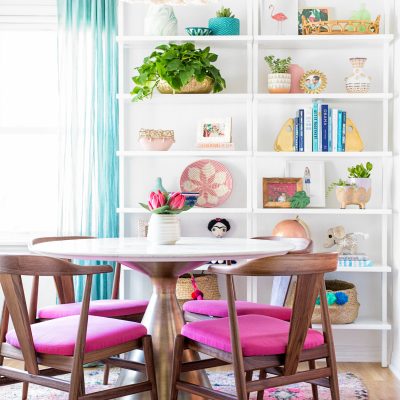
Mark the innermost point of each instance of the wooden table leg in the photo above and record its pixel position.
(163, 320)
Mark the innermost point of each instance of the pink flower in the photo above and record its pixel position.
(176, 201)
(157, 200)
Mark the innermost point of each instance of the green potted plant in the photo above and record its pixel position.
(279, 79)
(356, 189)
(224, 23)
(177, 68)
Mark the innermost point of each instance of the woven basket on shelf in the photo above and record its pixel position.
(339, 314)
(207, 283)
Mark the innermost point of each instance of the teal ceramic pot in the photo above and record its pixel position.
(224, 26)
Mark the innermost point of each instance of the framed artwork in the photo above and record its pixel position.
(279, 17)
(312, 15)
(215, 130)
(313, 176)
(278, 191)
(313, 81)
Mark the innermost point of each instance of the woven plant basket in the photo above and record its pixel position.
(207, 283)
(339, 314)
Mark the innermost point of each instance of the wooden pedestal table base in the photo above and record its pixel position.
(163, 320)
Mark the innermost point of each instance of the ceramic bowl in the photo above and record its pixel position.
(198, 31)
(152, 144)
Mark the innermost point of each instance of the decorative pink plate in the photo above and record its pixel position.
(211, 179)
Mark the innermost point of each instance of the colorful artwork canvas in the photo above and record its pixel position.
(279, 17)
(312, 15)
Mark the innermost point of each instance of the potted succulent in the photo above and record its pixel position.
(224, 23)
(356, 189)
(177, 68)
(279, 80)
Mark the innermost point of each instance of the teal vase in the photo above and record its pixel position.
(159, 186)
(224, 26)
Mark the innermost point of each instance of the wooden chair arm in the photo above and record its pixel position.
(47, 266)
(287, 265)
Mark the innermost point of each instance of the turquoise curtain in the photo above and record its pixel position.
(88, 81)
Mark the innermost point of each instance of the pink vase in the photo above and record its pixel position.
(297, 72)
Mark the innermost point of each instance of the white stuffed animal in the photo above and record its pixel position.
(347, 243)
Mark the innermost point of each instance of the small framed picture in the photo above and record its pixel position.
(312, 15)
(313, 81)
(278, 191)
(313, 173)
(215, 130)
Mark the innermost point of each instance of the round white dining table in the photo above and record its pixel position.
(163, 264)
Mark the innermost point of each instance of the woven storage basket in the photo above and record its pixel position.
(339, 314)
(207, 283)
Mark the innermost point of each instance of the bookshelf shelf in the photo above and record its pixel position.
(261, 116)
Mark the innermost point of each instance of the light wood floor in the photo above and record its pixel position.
(381, 383)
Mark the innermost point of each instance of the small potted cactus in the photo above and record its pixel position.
(225, 23)
(279, 80)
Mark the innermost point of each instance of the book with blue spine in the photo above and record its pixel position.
(301, 130)
(324, 127)
(308, 129)
(344, 116)
(319, 125)
(330, 129)
(296, 134)
(339, 131)
(315, 126)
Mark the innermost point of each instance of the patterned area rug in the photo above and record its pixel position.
(351, 388)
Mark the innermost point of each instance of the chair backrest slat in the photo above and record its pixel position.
(15, 299)
(307, 289)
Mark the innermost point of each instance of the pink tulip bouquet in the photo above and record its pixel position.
(166, 203)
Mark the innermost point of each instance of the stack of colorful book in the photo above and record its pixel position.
(319, 127)
(354, 260)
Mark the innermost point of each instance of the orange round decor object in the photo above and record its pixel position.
(295, 228)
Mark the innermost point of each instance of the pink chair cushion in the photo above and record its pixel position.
(259, 335)
(101, 308)
(219, 308)
(58, 336)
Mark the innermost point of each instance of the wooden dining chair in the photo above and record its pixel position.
(66, 344)
(197, 310)
(130, 310)
(258, 342)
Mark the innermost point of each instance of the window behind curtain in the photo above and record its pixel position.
(28, 121)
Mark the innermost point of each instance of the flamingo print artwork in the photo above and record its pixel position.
(278, 17)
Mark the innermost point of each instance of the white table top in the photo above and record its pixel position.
(140, 249)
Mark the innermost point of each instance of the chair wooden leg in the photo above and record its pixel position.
(334, 383)
(25, 387)
(263, 375)
(106, 374)
(176, 365)
(314, 388)
(149, 360)
(249, 377)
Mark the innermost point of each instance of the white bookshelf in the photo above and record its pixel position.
(255, 128)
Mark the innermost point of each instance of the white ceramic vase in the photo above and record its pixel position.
(164, 229)
(160, 20)
(279, 83)
(358, 82)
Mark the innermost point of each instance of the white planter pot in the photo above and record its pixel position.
(164, 229)
(279, 83)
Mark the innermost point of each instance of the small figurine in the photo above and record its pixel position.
(346, 243)
(218, 227)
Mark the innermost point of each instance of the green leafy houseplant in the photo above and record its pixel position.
(360, 171)
(225, 13)
(176, 64)
(278, 65)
